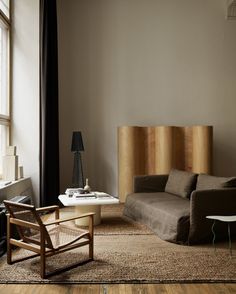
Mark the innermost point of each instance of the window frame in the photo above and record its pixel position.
(5, 120)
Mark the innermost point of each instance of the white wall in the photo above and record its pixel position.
(25, 95)
(144, 62)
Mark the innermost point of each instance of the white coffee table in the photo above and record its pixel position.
(87, 205)
(223, 218)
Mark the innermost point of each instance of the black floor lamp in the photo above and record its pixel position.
(77, 146)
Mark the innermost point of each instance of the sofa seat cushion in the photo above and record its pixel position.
(166, 214)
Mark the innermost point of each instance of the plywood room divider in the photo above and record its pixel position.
(155, 150)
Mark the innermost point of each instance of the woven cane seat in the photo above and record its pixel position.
(62, 235)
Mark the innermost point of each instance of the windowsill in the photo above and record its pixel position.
(6, 184)
(21, 187)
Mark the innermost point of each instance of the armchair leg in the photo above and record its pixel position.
(91, 250)
(9, 246)
(91, 237)
(42, 266)
(42, 255)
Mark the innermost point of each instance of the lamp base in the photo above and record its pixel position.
(78, 177)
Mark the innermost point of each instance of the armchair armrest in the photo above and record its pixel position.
(23, 223)
(149, 183)
(49, 208)
(209, 202)
(58, 221)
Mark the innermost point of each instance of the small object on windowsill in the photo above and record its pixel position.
(11, 150)
(20, 172)
(4, 183)
(7, 183)
(10, 164)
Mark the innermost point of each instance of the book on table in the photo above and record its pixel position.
(85, 195)
(102, 195)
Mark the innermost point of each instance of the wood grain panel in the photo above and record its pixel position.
(188, 148)
(202, 149)
(178, 142)
(157, 149)
(131, 154)
(164, 149)
(150, 145)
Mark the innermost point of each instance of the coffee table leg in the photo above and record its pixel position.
(214, 235)
(85, 209)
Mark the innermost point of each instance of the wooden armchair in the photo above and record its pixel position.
(45, 238)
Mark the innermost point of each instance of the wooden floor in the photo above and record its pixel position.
(120, 289)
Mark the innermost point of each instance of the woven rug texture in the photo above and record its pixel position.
(128, 252)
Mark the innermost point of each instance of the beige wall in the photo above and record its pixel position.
(144, 62)
(25, 87)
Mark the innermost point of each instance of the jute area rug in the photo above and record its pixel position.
(127, 252)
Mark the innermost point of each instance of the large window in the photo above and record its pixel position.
(5, 118)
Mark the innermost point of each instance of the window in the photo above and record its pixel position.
(5, 119)
(5, 7)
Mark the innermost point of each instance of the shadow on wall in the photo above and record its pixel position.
(224, 158)
(98, 166)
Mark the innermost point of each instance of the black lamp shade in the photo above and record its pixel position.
(77, 142)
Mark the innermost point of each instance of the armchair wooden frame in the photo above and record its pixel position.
(43, 246)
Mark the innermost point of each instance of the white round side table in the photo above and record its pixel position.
(223, 218)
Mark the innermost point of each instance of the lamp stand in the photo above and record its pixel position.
(78, 177)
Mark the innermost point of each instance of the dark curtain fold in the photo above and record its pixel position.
(49, 137)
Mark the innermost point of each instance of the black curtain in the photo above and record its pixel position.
(49, 138)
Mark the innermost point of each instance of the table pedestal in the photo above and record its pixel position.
(82, 209)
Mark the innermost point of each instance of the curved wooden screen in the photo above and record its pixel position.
(155, 150)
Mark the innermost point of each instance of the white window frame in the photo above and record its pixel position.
(5, 120)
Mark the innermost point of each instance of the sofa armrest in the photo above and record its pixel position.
(209, 202)
(149, 183)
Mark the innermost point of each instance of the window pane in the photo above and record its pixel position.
(4, 141)
(4, 76)
(4, 6)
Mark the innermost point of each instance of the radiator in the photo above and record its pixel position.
(3, 222)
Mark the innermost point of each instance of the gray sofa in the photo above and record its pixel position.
(181, 219)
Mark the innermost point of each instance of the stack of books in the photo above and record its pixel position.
(80, 194)
(85, 195)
